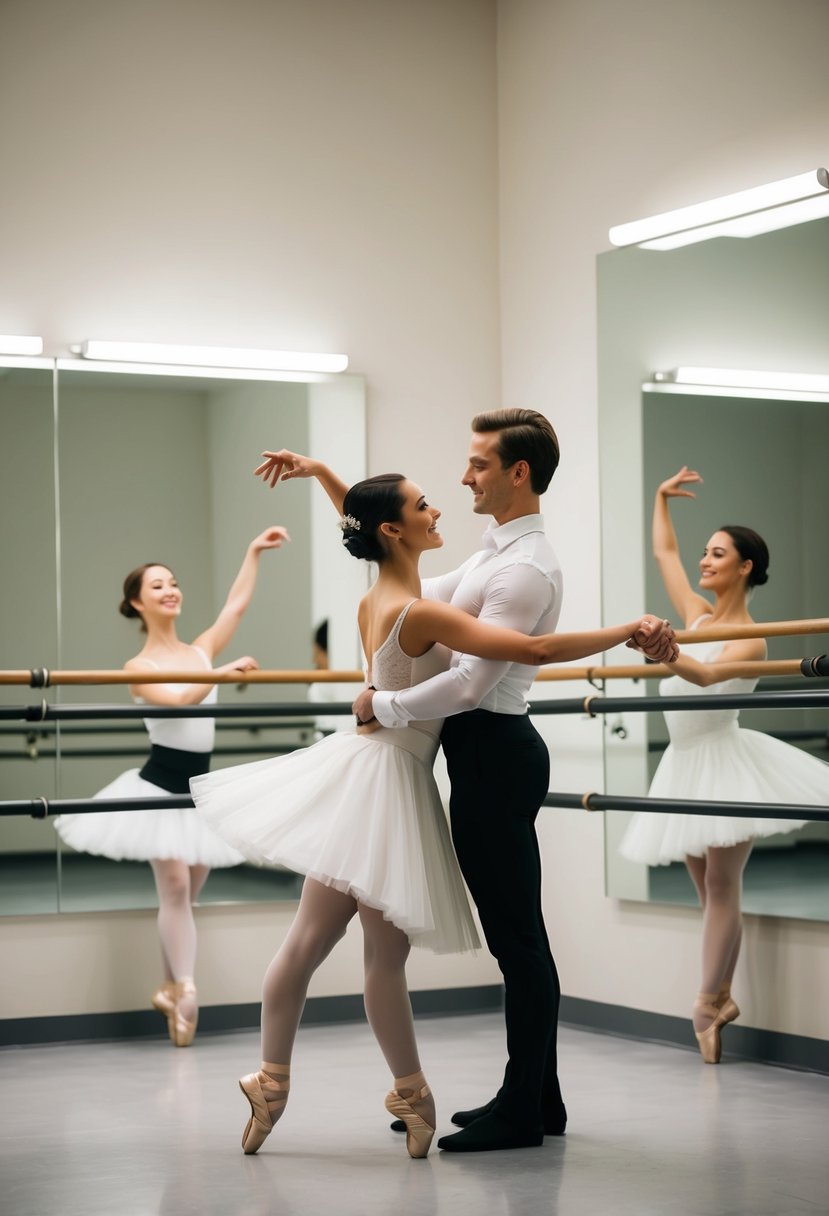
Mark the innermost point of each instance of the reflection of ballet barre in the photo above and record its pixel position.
(42, 808)
(43, 677)
(680, 806)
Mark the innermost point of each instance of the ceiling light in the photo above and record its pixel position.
(792, 200)
(18, 344)
(213, 356)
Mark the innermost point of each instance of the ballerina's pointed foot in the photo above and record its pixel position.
(267, 1093)
(419, 1133)
(177, 1001)
(722, 1010)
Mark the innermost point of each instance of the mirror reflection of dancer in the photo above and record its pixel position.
(359, 813)
(178, 845)
(710, 757)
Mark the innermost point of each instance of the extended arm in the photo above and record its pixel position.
(705, 674)
(430, 622)
(190, 694)
(284, 466)
(666, 548)
(214, 639)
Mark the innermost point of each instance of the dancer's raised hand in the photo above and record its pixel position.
(283, 465)
(672, 486)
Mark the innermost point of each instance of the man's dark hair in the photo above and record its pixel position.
(523, 435)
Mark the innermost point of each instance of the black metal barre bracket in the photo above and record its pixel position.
(680, 806)
(818, 666)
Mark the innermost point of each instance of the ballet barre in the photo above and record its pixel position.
(681, 806)
(592, 705)
(43, 677)
(43, 808)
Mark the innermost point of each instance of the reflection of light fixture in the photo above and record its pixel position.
(730, 382)
(793, 200)
(16, 344)
(213, 356)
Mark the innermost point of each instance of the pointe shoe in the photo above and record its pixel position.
(163, 999)
(267, 1098)
(182, 1029)
(709, 1040)
(418, 1132)
(728, 1007)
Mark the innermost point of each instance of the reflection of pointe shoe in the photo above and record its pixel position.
(183, 1029)
(267, 1098)
(163, 999)
(418, 1132)
(709, 1040)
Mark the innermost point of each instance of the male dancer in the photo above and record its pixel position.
(498, 764)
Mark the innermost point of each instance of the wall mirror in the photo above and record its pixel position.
(759, 304)
(143, 467)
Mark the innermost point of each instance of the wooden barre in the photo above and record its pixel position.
(634, 671)
(758, 629)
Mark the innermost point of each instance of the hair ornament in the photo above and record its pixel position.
(349, 524)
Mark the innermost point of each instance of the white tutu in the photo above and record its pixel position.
(710, 758)
(728, 765)
(360, 813)
(166, 834)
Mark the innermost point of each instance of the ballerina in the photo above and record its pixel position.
(179, 846)
(710, 757)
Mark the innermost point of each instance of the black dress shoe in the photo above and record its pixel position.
(490, 1133)
(554, 1122)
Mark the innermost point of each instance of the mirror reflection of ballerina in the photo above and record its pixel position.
(711, 758)
(359, 813)
(178, 844)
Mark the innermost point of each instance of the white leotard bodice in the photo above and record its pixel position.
(392, 669)
(684, 727)
(184, 734)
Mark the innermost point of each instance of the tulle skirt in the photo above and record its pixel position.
(732, 765)
(360, 813)
(177, 834)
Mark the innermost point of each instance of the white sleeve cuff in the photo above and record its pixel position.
(381, 704)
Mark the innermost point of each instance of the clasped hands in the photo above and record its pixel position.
(655, 638)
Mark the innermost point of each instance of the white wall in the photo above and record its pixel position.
(317, 174)
(324, 173)
(609, 112)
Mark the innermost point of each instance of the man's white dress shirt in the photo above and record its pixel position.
(514, 581)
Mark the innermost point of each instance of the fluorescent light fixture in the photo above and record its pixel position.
(734, 382)
(183, 369)
(793, 200)
(17, 344)
(214, 356)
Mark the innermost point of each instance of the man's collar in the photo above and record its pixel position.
(498, 536)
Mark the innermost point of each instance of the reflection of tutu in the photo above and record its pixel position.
(727, 764)
(357, 812)
(178, 833)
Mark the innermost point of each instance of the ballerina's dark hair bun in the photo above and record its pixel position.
(367, 505)
(751, 547)
(132, 591)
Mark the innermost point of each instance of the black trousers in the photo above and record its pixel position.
(500, 771)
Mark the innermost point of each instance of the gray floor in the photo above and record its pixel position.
(140, 1128)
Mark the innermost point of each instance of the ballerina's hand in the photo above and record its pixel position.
(272, 538)
(246, 663)
(656, 639)
(284, 465)
(672, 487)
(363, 708)
(368, 728)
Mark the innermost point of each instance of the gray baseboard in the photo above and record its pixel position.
(743, 1042)
(217, 1019)
(739, 1042)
